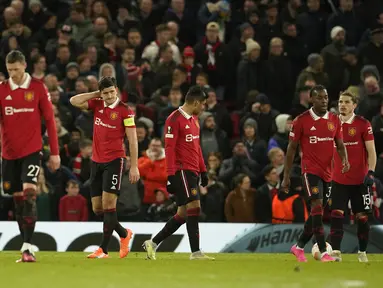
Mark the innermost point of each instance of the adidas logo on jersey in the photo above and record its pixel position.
(101, 111)
(313, 129)
(9, 97)
(187, 127)
(113, 187)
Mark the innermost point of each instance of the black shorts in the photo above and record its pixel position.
(186, 187)
(106, 177)
(316, 188)
(19, 171)
(358, 195)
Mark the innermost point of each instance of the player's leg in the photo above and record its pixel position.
(193, 209)
(96, 196)
(361, 207)
(30, 172)
(169, 229)
(173, 223)
(339, 199)
(112, 178)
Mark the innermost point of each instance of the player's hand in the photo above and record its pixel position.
(285, 186)
(170, 183)
(204, 179)
(134, 175)
(55, 162)
(346, 166)
(369, 179)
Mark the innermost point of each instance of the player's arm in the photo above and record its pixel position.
(81, 100)
(369, 143)
(171, 136)
(295, 136)
(47, 111)
(131, 134)
(341, 148)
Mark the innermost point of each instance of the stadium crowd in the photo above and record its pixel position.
(257, 60)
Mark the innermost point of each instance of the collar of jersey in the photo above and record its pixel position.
(349, 121)
(186, 115)
(113, 105)
(25, 84)
(316, 117)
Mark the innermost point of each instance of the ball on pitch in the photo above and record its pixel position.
(316, 253)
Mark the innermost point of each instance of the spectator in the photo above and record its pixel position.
(99, 9)
(82, 163)
(192, 69)
(288, 208)
(256, 147)
(39, 66)
(149, 18)
(163, 208)
(43, 193)
(239, 205)
(202, 79)
(353, 67)
(277, 159)
(249, 72)
(281, 137)
(303, 102)
(73, 206)
(212, 199)
(81, 25)
(313, 72)
(179, 79)
(152, 170)
(291, 11)
(164, 67)
(159, 99)
(85, 65)
(371, 53)
(174, 101)
(239, 163)
(238, 46)
(152, 51)
(174, 33)
(212, 137)
(370, 103)
(62, 60)
(271, 26)
(59, 99)
(142, 138)
(9, 16)
(334, 65)
(100, 27)
(46, 32)
(377, 128)
(214, 161)
(107, 70)
(219, 111)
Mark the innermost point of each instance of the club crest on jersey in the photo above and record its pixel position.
(330, 126)
(28, 96)
(352, 131)
(194, 191)
(113, 115)
(315, 190)
(6, 185)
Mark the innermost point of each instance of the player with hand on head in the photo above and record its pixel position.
(185, 168)
(355, 185)
(315, 131)
(112, 121)
(24, 101)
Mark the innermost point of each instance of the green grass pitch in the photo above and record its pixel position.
(171, 270)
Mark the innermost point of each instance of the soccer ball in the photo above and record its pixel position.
(316, 253)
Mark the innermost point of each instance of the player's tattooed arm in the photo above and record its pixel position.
(290, 155)
(81, 100)
(342, 152)
(371, 154)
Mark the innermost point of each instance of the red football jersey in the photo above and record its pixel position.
(316, 137)
(109, 129)
(356, 131)
(21, 110)
(182, 144)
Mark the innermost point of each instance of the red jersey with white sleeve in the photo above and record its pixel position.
(182, 143)
(316, 137)
(356, 131)
(109, 129)
(22, 108)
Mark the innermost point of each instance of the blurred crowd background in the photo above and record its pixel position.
(257, 60)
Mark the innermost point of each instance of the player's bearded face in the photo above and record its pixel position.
(16, 71)
(109, 95)
(199, 107)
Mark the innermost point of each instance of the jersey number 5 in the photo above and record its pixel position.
(114, 181)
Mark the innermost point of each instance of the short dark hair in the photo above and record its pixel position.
(134, 30)
(163, 48)
(353, 97)
(316, 89)
(140, 124)
(36, 58)
(238, 179)
(72, 182)
(85, 143)
(267, 170)
(204, 75)
(107, 82)
(156, 139)
(79, 8)
(195, 93)
(15, 56)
